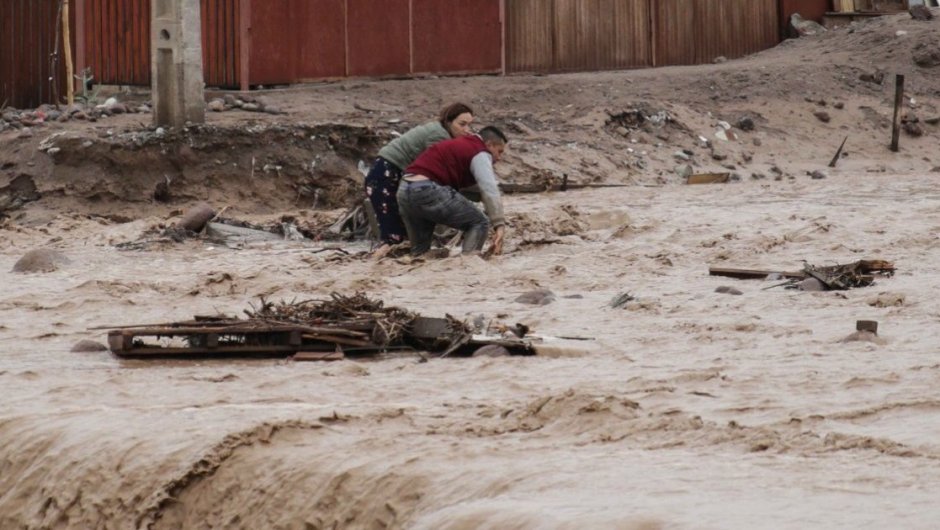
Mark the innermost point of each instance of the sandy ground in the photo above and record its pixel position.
(689, 409)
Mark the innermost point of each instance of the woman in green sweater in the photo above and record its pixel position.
(382, 181)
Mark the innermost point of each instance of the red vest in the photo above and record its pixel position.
(448, 162)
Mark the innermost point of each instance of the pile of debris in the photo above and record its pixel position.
(311, 330)
(861, 273)
(202, 222)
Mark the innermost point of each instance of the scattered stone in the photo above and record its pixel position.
(161, 192)
(926, 53)
(887, 300)
(776, 170)
(622, 131)
(812, 284)
(758, 176)
(40, 260)
(18, 192)
(621, 300)
(817, 175)
(747, 157)
(719, 156)
(229, 100)
(932, 121)
(839, 105)
(865, 336)
(537, 297)
(196, 218)
(920, 12)
(877, 77)
(491, 350)
(822, 103)
(822, 116)
(757, 142)
(720, 59)
(935, 170)
(251, 107)
(118, 108)
(682, 155)
(88, 346)
(745, 124)
(900, 33)
(684, 171)
(913, 129)
(806, 28)
(216, 105)
(724, 289)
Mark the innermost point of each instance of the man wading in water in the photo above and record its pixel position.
(429, 192)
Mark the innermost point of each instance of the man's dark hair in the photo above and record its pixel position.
(450, 113)
(492, 134)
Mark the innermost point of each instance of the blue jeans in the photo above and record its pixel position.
(425, 204)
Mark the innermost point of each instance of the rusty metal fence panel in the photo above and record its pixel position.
(27, 43)
(601, 34)
(221, 43)
(530, 35)
(463, 36)
(696, 32)
(378, 37)
(570, 35)
(117, 41)
(322, 43)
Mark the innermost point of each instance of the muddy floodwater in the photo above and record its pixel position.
(689, 409)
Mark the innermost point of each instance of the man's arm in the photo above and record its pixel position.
(482, 168)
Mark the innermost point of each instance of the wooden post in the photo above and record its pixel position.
(898, 104)
(67, 45)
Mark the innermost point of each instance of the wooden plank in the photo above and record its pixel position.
(708, 178)
(752, 274)
(150, 350)
(898, 104)
(318, 356)
(340, 340)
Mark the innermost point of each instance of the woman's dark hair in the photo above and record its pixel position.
(450, 113)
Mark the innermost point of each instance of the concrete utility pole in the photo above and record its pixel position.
(176, 63)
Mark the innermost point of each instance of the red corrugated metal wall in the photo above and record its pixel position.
(323, 51)
(463, 36)
(117, 41)
(27, 40)
(378, 37)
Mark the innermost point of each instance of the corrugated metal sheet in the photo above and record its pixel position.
(274, 36)
(686, 32)
(323, 39)
(221, 42)
(117, 41)
(530, 35)
(674, 30)
(568, 35)
(27, 41)
(601, 34)
(463, 36)
(378, 37)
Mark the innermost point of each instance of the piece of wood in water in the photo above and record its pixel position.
(224, 231)
(318, 356)
(708, 178)
(752, 274)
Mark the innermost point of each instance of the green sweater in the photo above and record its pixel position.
(402, 151)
